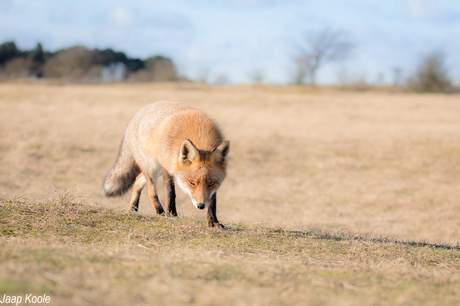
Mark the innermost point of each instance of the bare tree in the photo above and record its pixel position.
(256, 75)
(300, 72)
(317, 49)
(397, 75)
(343, 76)
(222, 80)
(380, 79)
(203, 74)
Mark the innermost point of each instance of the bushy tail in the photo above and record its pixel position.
(123, 173)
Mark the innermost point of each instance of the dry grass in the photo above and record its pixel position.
(82, 255)
(311, 162)
(386, 163)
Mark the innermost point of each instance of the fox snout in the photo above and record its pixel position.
(200, 204)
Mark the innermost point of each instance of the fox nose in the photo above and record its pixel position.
(200, 206)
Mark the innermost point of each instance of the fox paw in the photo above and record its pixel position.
(171, 214)
(214, 224)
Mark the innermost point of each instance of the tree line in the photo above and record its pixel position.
(318, 48)
(80, 64)
(312, 53)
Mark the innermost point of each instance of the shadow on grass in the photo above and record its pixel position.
(346, 235)
(66, 217)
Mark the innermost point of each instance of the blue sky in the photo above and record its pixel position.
(235, 37)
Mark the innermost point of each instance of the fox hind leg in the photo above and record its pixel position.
(170, 194)
(152, 180)
(136, 193)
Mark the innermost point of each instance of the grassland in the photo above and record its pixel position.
(331, 198)
(84, 255)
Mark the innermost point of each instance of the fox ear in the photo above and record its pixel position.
(188, 152)
(220, 154)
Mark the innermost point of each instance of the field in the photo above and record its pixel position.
(332, 197)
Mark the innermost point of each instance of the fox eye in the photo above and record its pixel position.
(211, 184)
(191, 182)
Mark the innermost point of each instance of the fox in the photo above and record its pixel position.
(184, 145)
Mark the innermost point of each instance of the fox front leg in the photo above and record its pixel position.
(211, 214)
(170, 194)
(153, 195)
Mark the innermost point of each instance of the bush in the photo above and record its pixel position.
(80, 64)
(157, 69)
(72, 64)
(431, 75)
(19, 67)
(8, 51)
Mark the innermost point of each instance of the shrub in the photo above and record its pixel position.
(431, 75)
(72, 64)
(19, 67)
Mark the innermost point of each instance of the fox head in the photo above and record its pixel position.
(201, 173)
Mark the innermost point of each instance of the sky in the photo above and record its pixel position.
(230, 39)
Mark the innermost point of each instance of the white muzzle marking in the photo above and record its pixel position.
(186, 191)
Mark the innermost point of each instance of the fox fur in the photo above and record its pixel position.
(183, 144)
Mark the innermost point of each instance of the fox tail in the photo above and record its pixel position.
(123, 173)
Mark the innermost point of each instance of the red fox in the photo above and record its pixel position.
(182, 143)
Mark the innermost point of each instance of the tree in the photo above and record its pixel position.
(222, 80)
(72, 63)
(203, 74)
(8, 51)
(256, 75)
(151, 62)
(317, 49)
(18, 67)
(80, 64)
(135, 64)
(37, 55)
(157, 69)
(431, 74)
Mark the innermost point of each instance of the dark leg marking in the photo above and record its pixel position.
(170, 194)
(136, 193)
(159, 209)
(135, 203)
(211, 214)
(153, 197)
